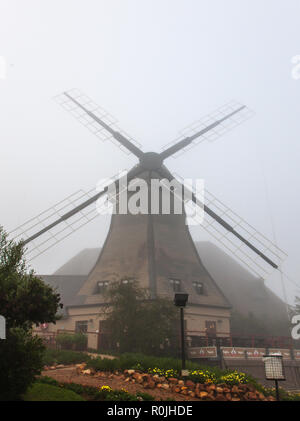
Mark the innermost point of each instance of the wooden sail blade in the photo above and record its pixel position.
(246, 243)
(98, 121)
(67, 216)
(210, 128)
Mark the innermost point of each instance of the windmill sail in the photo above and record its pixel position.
(235, 244)
(97, 120)
(53, 236)
(51, 226)
(209, 128)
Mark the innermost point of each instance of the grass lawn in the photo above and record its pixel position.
(47, 392)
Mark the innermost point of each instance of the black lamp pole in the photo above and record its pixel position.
(180, 301)
(182, 337)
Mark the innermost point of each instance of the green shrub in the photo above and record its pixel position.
(65, 340)
(105, 393)
(68, 341)
(21, 359)
(284, 395)
(54, 356)
(171, 367)
(47, 392)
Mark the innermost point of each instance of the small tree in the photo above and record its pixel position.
(25, 300)
(138, 324)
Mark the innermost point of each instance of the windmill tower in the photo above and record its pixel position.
(156, 248)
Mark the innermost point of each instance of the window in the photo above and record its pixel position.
(211, 328)
(81, 326)
(175, 284)
(198, 287)
(101, 286)
(126, 281)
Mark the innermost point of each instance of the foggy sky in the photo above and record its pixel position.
(156, 66)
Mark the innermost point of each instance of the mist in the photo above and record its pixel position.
(157, 67)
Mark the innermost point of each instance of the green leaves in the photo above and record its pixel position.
(137, 323)
(25, 299)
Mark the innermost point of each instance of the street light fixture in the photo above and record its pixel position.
(180, 300)
(274, 369)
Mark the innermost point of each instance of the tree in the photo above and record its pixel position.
(25, 300)
(138, 324)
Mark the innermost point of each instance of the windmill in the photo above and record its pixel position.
(157, 250)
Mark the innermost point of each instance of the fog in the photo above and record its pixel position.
(156, 66)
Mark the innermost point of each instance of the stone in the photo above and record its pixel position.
(219, 389)
(235, 389)
(177, 389)
(138, 377)
(191, 394)
(190, 384)
(60, 366)
(235, 399)
(165, 386)
(130, 372)
(200, 387)
(202, 395)
(220, 397)
(127, 379)
(150, 385)
(228, 396)
(172, 380)
(180, 382)
(87, 372)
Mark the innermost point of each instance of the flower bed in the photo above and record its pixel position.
(204, 389)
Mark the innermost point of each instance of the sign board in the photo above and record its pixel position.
(231, 352)
(274, 367)
(297, 354)
(203, 352)
(255, 353)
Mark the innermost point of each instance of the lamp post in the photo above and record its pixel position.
(180, 301)
(274, 369)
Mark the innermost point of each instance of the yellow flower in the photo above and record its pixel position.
(106, 388)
